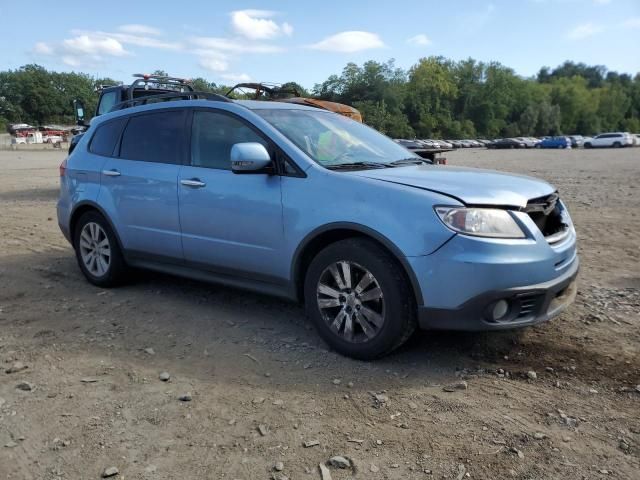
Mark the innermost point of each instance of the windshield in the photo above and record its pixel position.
(332, 140)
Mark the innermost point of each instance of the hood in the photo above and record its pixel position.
(472, 186)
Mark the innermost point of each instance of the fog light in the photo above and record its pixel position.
(500, 309)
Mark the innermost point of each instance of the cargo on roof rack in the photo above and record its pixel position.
(290, 94)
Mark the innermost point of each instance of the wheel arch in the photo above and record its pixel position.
(85, 207)
(321, 237)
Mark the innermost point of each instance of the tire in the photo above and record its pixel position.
(106, 270)
(588, 145)
(617, 145)
(395, 306)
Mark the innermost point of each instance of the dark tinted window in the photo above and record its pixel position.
(213, 134)
(106, 138)
(154, 137)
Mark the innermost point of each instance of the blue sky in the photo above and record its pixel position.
(304, 41)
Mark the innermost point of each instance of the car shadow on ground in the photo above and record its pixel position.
(199, 326)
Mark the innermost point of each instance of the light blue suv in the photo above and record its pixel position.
(305, 204)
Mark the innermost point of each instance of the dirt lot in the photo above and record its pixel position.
(263, 384)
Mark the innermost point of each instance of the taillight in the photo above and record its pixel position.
(63, 168)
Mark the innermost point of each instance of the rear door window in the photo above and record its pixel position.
(106, 138)
(154, 137)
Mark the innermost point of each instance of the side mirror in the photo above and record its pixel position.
(78, 110)
(250, 157)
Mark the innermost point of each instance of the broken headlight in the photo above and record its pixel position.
(480, 222)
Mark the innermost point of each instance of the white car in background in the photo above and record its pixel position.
(613, 139)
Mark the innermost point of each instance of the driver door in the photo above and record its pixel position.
(231, 223)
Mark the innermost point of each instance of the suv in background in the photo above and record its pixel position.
(309, 205)
(613, 139)
(123, 96)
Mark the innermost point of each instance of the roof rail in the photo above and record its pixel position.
(190, 95)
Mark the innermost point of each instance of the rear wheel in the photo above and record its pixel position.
(97, 251)
(617, 145)
(359, 299)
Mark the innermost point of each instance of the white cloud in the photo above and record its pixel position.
(349, 42)
(287, 29)
(214, 64)
(583, 31)
(633, 22)
(257, 24)
(420, 40)
(42, 48)
(236, 77)
(138, 29)
(226, 45)
(131, 39)
(94, 46)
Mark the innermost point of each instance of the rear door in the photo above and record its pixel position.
(231, 223)
(139, 187)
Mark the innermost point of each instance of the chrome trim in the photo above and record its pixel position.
(193, 183)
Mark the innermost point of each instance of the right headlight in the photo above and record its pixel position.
(480, 222)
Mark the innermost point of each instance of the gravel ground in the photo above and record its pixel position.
(81, 393)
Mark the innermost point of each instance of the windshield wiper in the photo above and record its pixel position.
(410, 161)
(340, 166)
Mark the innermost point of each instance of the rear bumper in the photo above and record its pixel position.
(63, 220)
(528, 305)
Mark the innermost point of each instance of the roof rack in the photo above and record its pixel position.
(143, 80)
(190, 95)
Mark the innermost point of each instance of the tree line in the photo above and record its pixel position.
(435, 98)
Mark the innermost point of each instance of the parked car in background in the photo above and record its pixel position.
(455, 143)
(52, 138)
(577, 141)
(312, 206)
(528, 142)
(555, 142)
(636, 139)
(613, 139)
(445, 144)
(507, 143)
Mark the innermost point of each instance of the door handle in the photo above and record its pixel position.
(193, 183)
(111, 173)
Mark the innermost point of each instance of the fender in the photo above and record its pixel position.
(366, 231)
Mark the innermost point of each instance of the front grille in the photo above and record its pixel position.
(546, 213)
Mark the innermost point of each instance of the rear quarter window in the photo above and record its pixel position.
(154, 137)
(106, 137)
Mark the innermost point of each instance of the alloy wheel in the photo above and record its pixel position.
(351, 301)
(95, 249)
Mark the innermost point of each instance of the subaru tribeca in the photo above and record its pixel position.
(308, 205)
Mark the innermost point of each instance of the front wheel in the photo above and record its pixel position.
(359, 299)
(97, 251)
(587, 145)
